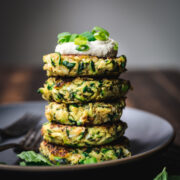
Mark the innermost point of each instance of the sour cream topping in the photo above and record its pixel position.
(96, 48)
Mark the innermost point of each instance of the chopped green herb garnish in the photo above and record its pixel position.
(59, 57)
(80, 67)
(87, 89)
(49, 87)
(92, 66)
(60, 96)
(92, 84)
(68, 64)
(81, 135)
(53, 63)
(74, 105)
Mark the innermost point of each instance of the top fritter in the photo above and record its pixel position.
(87, 54)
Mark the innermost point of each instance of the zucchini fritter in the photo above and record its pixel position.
(96, 113)
(66, 155)
(82, 65)
(81, 90)
(80, 136)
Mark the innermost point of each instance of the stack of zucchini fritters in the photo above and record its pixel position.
(86, 100)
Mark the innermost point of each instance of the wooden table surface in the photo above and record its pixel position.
(154, 91)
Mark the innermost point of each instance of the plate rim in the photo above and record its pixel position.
(109, 163)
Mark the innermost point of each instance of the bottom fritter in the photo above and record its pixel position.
(65, 155)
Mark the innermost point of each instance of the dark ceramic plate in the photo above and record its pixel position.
(147, 132)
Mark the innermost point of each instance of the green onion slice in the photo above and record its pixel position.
(99, 29)
(63, 37)
(82, 47)
(88, 35)
(80, 40)
(73, 37)
(101, 36)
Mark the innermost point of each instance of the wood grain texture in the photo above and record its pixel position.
(154, 91)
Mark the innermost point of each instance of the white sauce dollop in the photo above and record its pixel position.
(96, 48)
